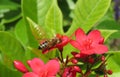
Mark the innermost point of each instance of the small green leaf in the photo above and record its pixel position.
(87, 13)
(53, 21)
(11, 49)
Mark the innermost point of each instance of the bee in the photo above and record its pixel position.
(39, 34)
(47, 44)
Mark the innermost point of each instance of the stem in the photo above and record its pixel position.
(61, 55)
(87, 73)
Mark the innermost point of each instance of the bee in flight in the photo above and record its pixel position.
(39, 34)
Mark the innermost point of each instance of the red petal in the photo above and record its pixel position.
(52, 67)
(65, 40)
(30, 74)
(51, 76)
(100, 49)
(80, 35)
(36, 64)
(75, 44)
(88, 52)
(95, 35)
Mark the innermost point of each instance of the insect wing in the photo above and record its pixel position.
(37, 31)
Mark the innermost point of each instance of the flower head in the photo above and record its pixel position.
(89, 44)
(39, 69)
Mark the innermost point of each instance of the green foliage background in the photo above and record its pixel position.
(53, 16)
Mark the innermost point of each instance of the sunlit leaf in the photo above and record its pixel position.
(113, 63)
(38, 10)
(87, 13)
(53, 21)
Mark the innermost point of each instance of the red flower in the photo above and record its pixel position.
(89, 44)
(64, 40)
(42, 70)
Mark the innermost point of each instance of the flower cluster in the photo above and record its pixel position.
(91, 53)
(89, 44)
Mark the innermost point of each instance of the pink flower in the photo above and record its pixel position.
(39, 69)
(89, 44)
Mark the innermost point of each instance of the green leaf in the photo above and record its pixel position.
(2, 27)
(115, 74)
(53, 21)
(9, 11)
(113, 63)
(11, 16)
(11, 49)
(38, 10)
(5, 72)
(110, 25)
(106, 33)
(8, 4)
(87, 13)
(21, 32)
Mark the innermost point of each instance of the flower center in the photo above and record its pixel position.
(44, 74)
(87, 44)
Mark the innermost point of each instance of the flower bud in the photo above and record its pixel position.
(105, 75)
(91, 60)
(109, 72)
(74, 61)
(77, 69)
(103, 58)
(29, 62)
(20, 66)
